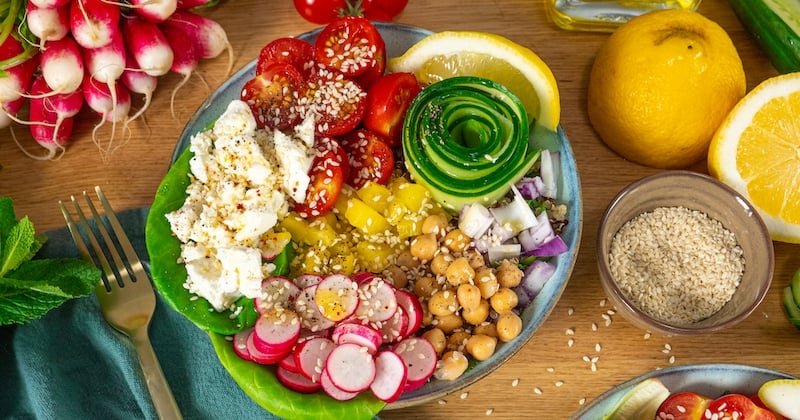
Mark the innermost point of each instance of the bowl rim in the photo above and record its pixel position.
(628, 309)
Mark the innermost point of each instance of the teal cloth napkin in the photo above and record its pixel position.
(70, 364)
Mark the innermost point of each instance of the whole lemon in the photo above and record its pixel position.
(660, 86)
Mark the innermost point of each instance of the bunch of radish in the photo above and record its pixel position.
(340, 334)
(69, 53)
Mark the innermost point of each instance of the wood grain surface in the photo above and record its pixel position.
(133, 172)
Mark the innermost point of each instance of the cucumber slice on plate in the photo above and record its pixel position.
(641, 402)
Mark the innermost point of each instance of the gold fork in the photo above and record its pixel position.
(125, 294)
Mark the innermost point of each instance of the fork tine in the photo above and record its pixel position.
(80, 238)
(121, 268)
(130, 253)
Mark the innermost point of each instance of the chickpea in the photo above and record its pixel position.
(436, 338)
(456, 240)
(509, 325)
(435, 224)
(448, 323)
(443, 302)
(486, 282)
(459, 272)
(452, 365)
(424, 247)
(440, 262)
(396, 276)
(481, 347)
(478, 315)
(457, 340)
(508, 274)
(427, 316)
(405, 259)
(425, 286)
(485, 328)
(469, 296)
(475, 258)
(504, 300)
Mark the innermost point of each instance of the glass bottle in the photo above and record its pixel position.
(606, 15)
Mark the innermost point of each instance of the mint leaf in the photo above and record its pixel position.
(39, 286)
(17, 245)
(7, 217)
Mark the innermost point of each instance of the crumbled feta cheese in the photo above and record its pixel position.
(243, 179)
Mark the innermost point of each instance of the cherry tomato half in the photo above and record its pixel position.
(272, 96)
(351, 45)
(295, 51)
(319, 11)
(388, 99)
(391, 7)
(327, 178)
(738, 406)
(684, 406)
(371, 159)
(338, 102)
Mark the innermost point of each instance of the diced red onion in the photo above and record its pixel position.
(551, 248)
(530, 187)
(538, 235)
(536, 276)
(516, 215)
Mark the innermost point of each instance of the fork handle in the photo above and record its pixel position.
(166, 407)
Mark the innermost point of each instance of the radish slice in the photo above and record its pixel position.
(289, 363)
(310, 356)
(353, 332)
(304, 280)
(277, 331)
(334, 391)
(351, 367)
(240, 344)
(378, 300)
(392, 329)
(420, 358)
(296, 381)
(391, 373)
(276, 292)
(306, 307)
(337, 297)
(413, 310)
(262, 357)
(362, 277)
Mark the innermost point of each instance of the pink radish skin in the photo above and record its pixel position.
(145, 41)
(391, 373)
(392, 329)
(306, 307)
(209, 36)
(240, 343)
(50, 4)
(48, 24)
(155, 11)
(420, 358)
(139, 82)
(62, 65)
(310, 356)
(106, 64)
(296, 382)
(334, 391)
(362, 277)
(112, 103)
(412, 309)
(378, 300)
(336, 297)
(18, 79)
(93, 23)
(185, 58)
(9, 111)
(261, 357)
(289, 363)
(276, 292)
(351, 367)
(355, 333)
(50, 131)
(277, 331)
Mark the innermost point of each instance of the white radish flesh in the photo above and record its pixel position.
(351, 367)
(356, 333)
(49, 4)
(48, 24)
(240, 343)
(420, 358)
(337, 297)
(93, 23)
(392, 329)
(106, 64)
(334, 391)
(148, 46)
(412, 309)
(276, 292)
(277, 330)
(155, 11)
(306, 307)
(262, 357)
(9, 110)
(304, 280)
(295, 381)
(139, 82)
(391, 373)
(310, 356)
(62, 65)
(378, 300)
(18, 79)
(209, 36)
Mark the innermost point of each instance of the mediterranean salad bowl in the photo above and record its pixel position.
(259, 381)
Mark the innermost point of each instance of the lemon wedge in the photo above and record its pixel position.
(465, 53)
(641, 402)
(756, 151)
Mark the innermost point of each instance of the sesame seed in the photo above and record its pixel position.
(537, 390)
(515, 382)
(559, 383)
(464, 395)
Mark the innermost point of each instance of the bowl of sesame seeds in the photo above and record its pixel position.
(681, 253)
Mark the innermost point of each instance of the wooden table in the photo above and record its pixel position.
(132, 174)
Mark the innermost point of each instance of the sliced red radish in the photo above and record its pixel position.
(304, 280)
(240, 344)
(334, 391)
(351, 367)
(357, 333)
(413, 309)
(289, 363)
(263, 357)
(392, 329)
(276, 292)
(310, 356)
(362, 277)
(277, 331)
(391, 373)
(420, 358)
(378, 300)
(296, 381)
(306, 307)
(337, 297)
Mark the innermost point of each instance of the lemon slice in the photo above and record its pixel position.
(641, 402)
(756, 151)
(463, 53)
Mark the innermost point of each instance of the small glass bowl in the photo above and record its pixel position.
(705, 194)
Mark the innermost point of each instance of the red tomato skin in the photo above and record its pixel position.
(348, 109)
(684, 406)
(391, 7)
(319, 11)
(351, 45)
(726, 405)
(327, 179)
(388, 100)
(294, 51)
(371, 159)
(271, 96)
